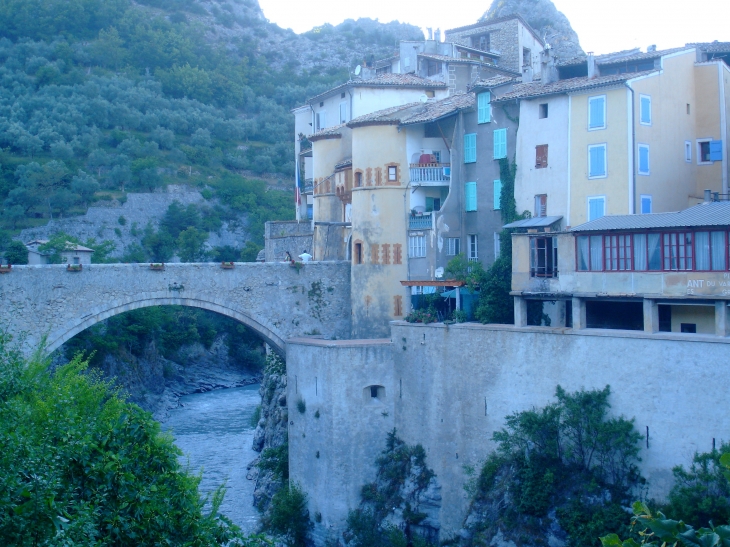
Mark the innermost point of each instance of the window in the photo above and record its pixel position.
(597, 161)
(708, 151)
(644, 159)
(542, 111)
(526, 56)
(500, 143)
(596, 207)
(433, 68)
(471, 196)
(473, 248)
(541, 205)
(343, 113)
(597, 112)
(453, 246)
(342, 95)
(358, 179)
(357, 255)
(647, 252)
(433, 204)
(688, 151)
(430, 93)
(543, 257)
(710, 251)
(677, 251)
(392, 173)
(320, 121)
(373, 392)
(645, 109)
(590, 253)
(383, 70)
(497, 246)
(416, 246)
(687, 108)
(541, 156)
(617, 252)
(645, 204)
(470, 148)
(484, 107)
(497, 185)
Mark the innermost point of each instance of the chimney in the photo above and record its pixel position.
(651, 48)
(430, 33)
(708, 196)
(591, 60)
(526, 74)
(548, 70)
(437, 36)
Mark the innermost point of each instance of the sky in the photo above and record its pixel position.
(627, 24)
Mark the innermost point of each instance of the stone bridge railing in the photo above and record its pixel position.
(276, 300)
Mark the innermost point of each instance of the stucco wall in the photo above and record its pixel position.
(450, 394)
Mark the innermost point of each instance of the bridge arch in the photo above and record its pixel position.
(60, 336)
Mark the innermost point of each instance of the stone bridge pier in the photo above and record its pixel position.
(276, 300)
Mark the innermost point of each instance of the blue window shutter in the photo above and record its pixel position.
(715, 150)
(471, 196)
(596, 112)
(484, 107)
(497, 194)
(643, 160)
(470, 148)
(645, 108)
(597, 166)
(595, 208)
(645, 205)
(500, 143)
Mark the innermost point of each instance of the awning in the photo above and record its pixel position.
(426, 283)
(535, 222)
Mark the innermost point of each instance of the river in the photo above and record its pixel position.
(214, 431)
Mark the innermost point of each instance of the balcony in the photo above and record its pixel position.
(308, 186)
(430, 174)
(420, 222)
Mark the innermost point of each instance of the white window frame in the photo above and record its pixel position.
(473, 248)
(641, 121)
(605, 160)
(648, 160)
(416, 246)
(688, 151)
(595, 98)
(453, 246)
(641, 203)
(699, 154)
(320, 121)
(588, 203)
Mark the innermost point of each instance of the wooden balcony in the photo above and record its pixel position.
(430, 174)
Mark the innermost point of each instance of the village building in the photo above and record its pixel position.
(72, 254)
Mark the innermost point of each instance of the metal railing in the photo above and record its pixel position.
(420, 222)
(430, 172)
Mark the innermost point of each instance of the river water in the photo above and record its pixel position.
(214, 431)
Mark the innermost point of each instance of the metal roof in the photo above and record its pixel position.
(705, 214)
(534, 222)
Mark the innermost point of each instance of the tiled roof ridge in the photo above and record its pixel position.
(327, 133)
(383, 80)
(626, 55)
(416, 112)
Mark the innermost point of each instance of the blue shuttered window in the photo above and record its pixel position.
(645, 109)
(597, 161)
(643, 159)
(484, 107)
(597, 112)
(500, 143)
(497, 194)
(596, 208)
(645, 205)
(716, 151)
(470, 148)
(471, 196)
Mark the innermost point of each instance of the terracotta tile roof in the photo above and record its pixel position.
(383, 80)
(712, 47)
(415, 113)
(626, 56)
(538, 89)
(334, 132)
(494, 82)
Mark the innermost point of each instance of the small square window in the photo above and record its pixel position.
(543, 111)
(688, 151)
(392, 173)
(703, 151)
(342, 95)
(321, 104)
(541, 156)
(687, 108)
(430, 93)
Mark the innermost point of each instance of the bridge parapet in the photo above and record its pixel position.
(276, 300)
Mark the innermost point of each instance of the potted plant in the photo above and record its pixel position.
(73, 267)
(159, 266)
(6, 269)
(227, 265)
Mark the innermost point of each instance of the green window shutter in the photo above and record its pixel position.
(470, 148)
(484, 107)
(497, 194)
(500, 143)
(471, 196)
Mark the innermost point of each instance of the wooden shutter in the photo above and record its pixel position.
(470, 148)
(541, 156)
(497, 194)
(500, 143)
(715, 150)
(484, 107)
(595, 114)
(541, 205)
(471, 196)
(597, 161)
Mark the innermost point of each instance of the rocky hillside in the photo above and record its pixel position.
(552, 25)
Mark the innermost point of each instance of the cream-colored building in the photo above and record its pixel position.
(641, 133)
(660, 272)
(73, 254)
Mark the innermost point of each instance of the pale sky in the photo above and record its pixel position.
(609, 25)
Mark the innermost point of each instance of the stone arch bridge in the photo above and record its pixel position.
(276, 300)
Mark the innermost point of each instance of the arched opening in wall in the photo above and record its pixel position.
(349, 247)
(357, 253)
(373, 394)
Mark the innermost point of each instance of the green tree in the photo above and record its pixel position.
(289, 516)
(85, 186)
(160, 245)
(191, 244)
(16, 253)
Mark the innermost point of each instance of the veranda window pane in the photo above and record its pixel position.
(583, 245)
(702, 250)
(718, 250)
(640, 258)
(596, 252)
(655, 253)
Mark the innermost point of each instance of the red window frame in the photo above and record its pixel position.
(618, 252)
(678, 250)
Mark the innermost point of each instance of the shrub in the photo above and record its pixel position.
(289, 516)
(301, 406)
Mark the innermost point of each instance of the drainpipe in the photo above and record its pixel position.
(723, 126)
(632, 156)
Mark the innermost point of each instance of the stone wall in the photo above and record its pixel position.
(450, 388)
(275, 300)
(289, 235)
(503, 38)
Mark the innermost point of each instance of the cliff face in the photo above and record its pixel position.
(552, 25)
